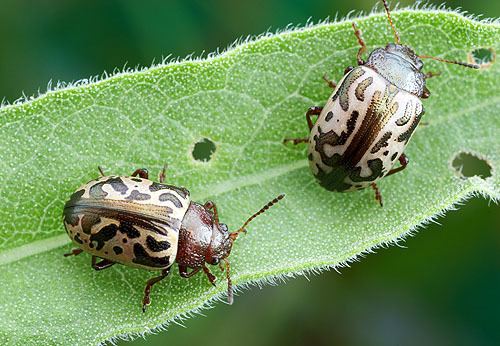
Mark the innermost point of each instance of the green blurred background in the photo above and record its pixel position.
(443, 289)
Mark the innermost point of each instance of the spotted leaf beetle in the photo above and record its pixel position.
(141, 223)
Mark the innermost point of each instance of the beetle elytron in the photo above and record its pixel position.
(366, 124)
(144, 224)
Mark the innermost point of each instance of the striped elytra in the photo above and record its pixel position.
(140, 223)
(362, 131)
(354, 143)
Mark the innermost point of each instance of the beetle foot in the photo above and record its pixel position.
(378, 195)
(296, 141)
(145, 303)
(329, 82)
(211, 277)
(73, 252)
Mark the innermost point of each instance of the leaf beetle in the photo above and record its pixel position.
(144, 224)
(367, 122)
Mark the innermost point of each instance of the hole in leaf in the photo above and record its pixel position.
(482, 56)
(203, 150)
(469, 165)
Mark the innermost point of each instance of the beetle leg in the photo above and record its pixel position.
(403, 160)
(209, 205)
(431, 74)
(74, 252)
(211, 277)
(330, 83)
(102, 264)
(378, 196)
(163, 175)
(183, 271)
(361, 42)
(348, 69)
(141, 172)
(101, 172)
(296, 140)
(316, 110)
(147, 290)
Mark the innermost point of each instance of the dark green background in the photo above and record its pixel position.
(441, 290)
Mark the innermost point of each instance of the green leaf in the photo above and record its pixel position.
(245, 101)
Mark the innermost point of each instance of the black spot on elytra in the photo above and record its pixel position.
(183, 192)
(156, 246)
(342, 91)
(117, 184)
(386, 152)
(361, 88)
(118, 250)
(89, 220)
(128, 229)
(74, 198)
(124, 240)
(137, 196)
(393, 157)
(105, 234)
(375, 165)
(329, 116)
(97, 192)
(142, 257)
(167, 196)
(382, 142)
(180, 190)
(157, 186)
(139, 180)
(77, 238)
(69, 216)
(333, 139)
(405, 136)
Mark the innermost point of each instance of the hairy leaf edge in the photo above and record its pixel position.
(246, 282)
(234, 47)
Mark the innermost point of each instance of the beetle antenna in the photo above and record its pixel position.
(230, 298)
(234, 235)
(396, 35)
(465, 64)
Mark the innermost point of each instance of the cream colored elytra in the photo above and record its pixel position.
(129, 220)
(361, 131)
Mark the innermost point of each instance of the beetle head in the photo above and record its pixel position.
(401, 66)
(222, 242)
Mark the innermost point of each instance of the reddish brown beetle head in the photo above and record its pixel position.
(222, 242)
(202, 239)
